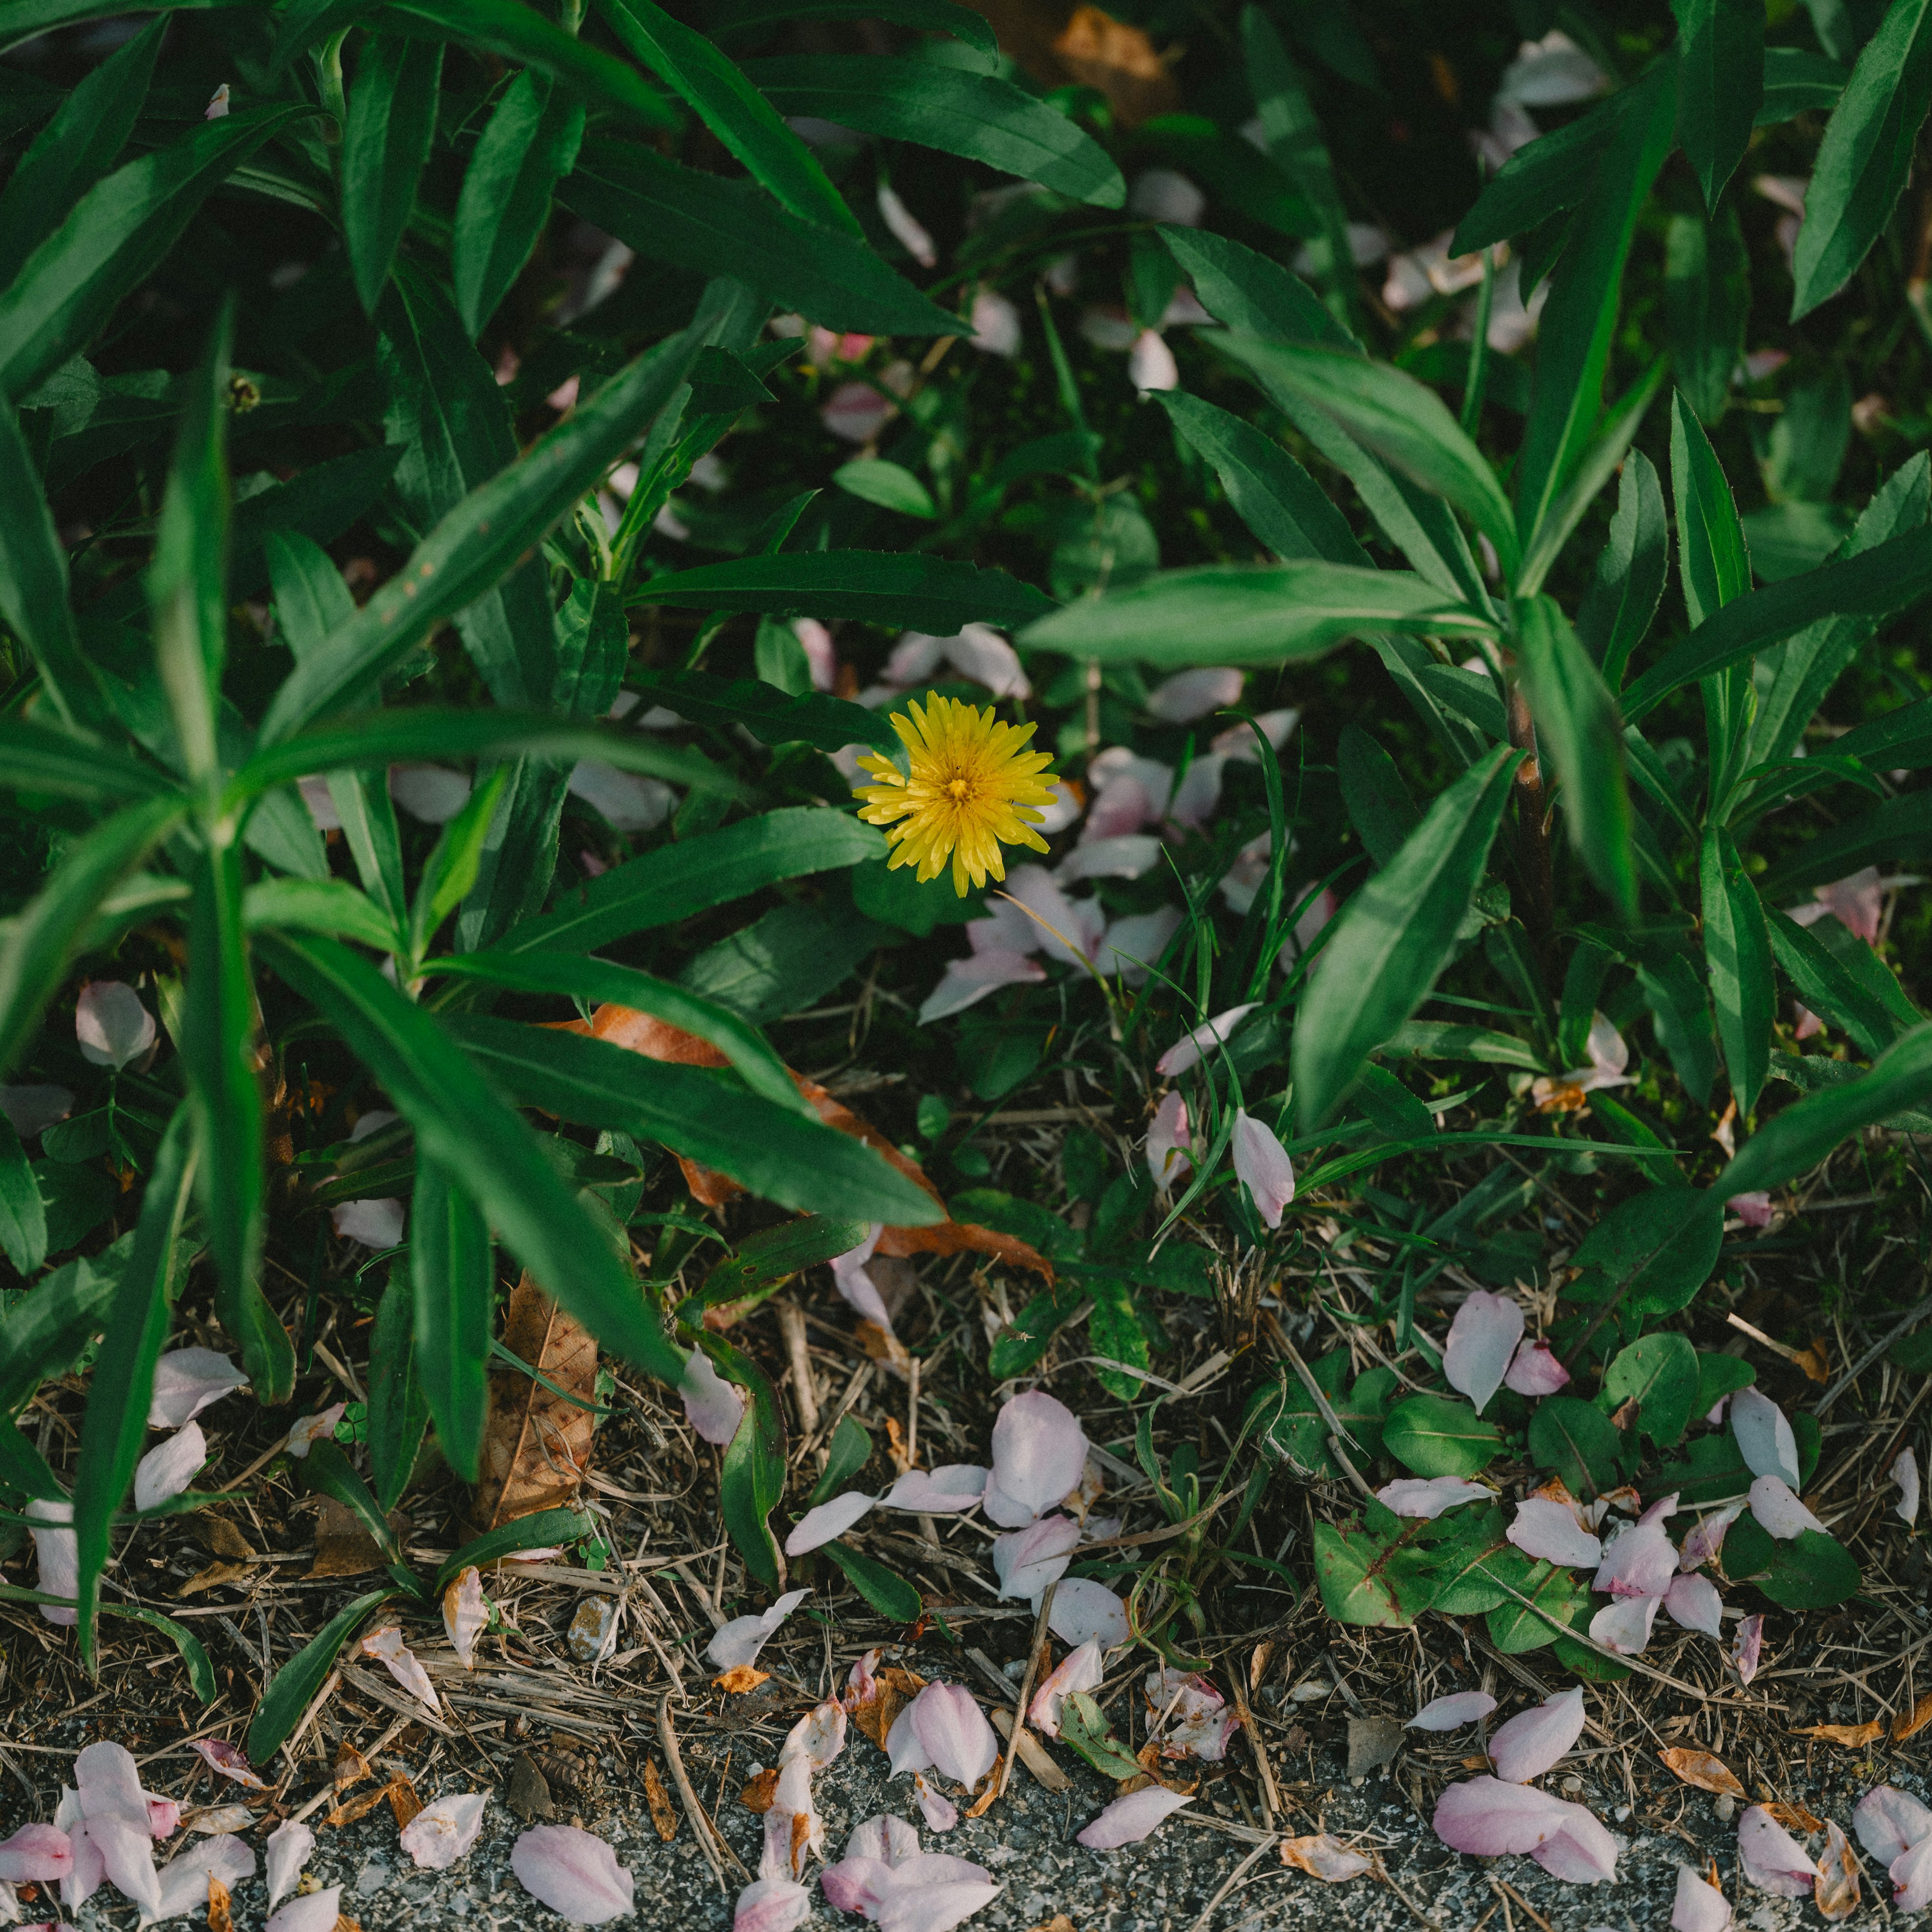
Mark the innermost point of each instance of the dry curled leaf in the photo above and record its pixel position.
(1816, 1363)
(741, 1678)
(358, 1807)
(402, 1800)
(1914, 1721)
(220, 1919)
(213, 1577)
(663, 1815)
(218, 1534)
(759, 1794)
(897, 1688)
(343, 1547)
(1850, 1735)
(351, 1766)
(1118, 60)
(1795, 1818)
(538, 1443)
(1835, 1891)
(1701, 1768)
(1324, 1857)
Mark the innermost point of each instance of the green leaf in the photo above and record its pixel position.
(890, 485)
(1515, 1628)
(1543, 177)
(328, 1471)
(33, 601)
(701, 1115)
(1250, 293)
(452, 1286)
(933, 594)
(392, 108)
(331, 907)
(765, 1261)
(527, 146)
(398, 1406)
(46, 1332)
(695, 875)
(116, 1424)
(1830, 988)
(1719, 85)
(1707, 296)
(887, 1593)
(976, 116)
(1084, 1730)
(1659, 1372)
(522, 35)
(451, 869)
(1621, 605)
(1113, 1330)
(848, 1452)
(925, 16)
(1797, 83)
(1579, 323)
(1030, 1334)
(1575, 1442)
(23, 1219)
(1245, 614)
(1377, 801)
(298, 1680)
(714, 226)
(1270, 492)
(1712, 563)
(200, 1671)
(539, 1530)
(786, 961)
(1393, 937)
(42, 758)
(1811, 1572)
(481, 540)
(461, 1124)
(1390, 414)
(1381, 1572)
(75, 148)
(828, 724)
(1577, 726)
(1654, 1251)
(116, 236)
(1737, 959)
(752, 1472)
(1797, 1139)
(44, 938)
(603, 980)
(1866, 155)
(1435, 1435)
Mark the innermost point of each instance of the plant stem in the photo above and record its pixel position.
(1532, 803)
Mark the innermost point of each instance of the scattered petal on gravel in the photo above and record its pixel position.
(1324, 1857)
(286, 1852)
(938, 1810)
(186, 1381)
(1482, 1343)
(443, 1832)
(1911, 1874)
(219, 1755)
(1700, 1906)
(771, 1905)
(37, 1853)
(1080, 1669)
(1549, 1530)
(953, 1485)
(572, 1872)
(1488, 1816)
(1764, 1437)
(1026, 1560)
(1193, 1719)
(387, 1647)
(1452, 1712)
(1129, 1820)
(1905, 1473)
(1836, 1894)
(1533, 1740)
(109, 1786)
(1085, 1609)
(1039, 1451)
(314, 1912)
(738, 1643)
(828, 1521)
(953, 1733)
(1415, 1495)
(1772, 1859)
(1890, 1822)
(183, 1879)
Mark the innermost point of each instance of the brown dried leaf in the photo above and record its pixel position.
(1699, 1768)
(218, 1534)
(351, 1766)
(1914, 1721)
(1816, 1363)
(1258, 1663)
(529, 1791)
(759, 1794)
(1322, 1857)
(219, 1919)
(537, 1445)
(1059, 1922)
(402, 1800)
(663, 1815)
(1850, 1735)
(897, 1688)
(1795, 1818)
(343, 1923)
(1118, 61)
(741, 1678)
(213, 1577)
(1149, 1759)
(1556, 1491)
(343, 1547)
(1835, 1892)
(359, 1806)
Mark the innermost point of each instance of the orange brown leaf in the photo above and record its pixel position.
(1850, 1735)
(762, 1792)
(220, 1919)
(537, 1444)
(1707, 1773)
(1914, 1721)
(741, 1678)
(662, 1814)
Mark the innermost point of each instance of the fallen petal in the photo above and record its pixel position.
(953, 1485)
(1026, 1560)
(1639, 1561)
(387, 1647)
(1533, 1370)
(1625, 1626)
(771, 1905)
(888, 1839)
(1746, 1648)
(1533, 1740)
(1890, 1822)
(1771, 1857)
(1482, 1343)
(184, 1880)
(1700, 1906)
(1488, 1816)
(56, 1555)
(219, 1755)
(1549, 1531)
(1704, 1542)
(168, 1468)
(441, 1833)
(108, 1785)
(828, 1520)
(1452, 1712)
(36, 1852)
(712, 1405)
(1836, 1894)
(1039, 1450)
(1168, 1142)
(573, 1872)
(737, 1643)
(1905, 1473)
(286, 1852)
(1694, 1604)
(377, 1223)
(1262, 1166)
(1084, 1610)
(953, 1732)
(1414, 1496)
(313, 1912)
(938, 1810)
(1764, 1437)
(1778, 1512)
(1080, 1669)
(466, 1615)
(186, 1381)
(308, 1430)
(1582, 1853)
(1911, 1874)
(111, 1024)
(1129, 1820)
(1209, 1034)
(1324, 1857)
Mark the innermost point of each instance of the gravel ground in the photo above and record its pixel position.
(1167, 1884)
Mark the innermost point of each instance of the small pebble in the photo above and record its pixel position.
(1572, 1785)
(1725, 1807)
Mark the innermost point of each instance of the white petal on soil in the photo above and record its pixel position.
(1211, 1033)
(1084, 1610)
(1890, 1822)
(1168, 1142)
(1039, 1451)
(1534, 1370)
(771, 1905)
(1699, 1906)
(573, 1872)
(1546, 1529)
(286, 1852)
(953, 1485)
(1693, 1603)
(712, 1405)
(1080, 1669)
(168, 1468)
(56, 1555)
(1764, 1436)
(186, 1381)
(307, 1430)
(112, 1802)
(1129, 1820)
(958, 1742)
(1772, 1859)
(828, 1520)
(1624, 1625)
(1905, 1473)
(313, 1912)
(387, 1647)
(1452, 1712)
(1482, 1343)
(183, 1879)
(375, 1224)
(1535, 1739)
(738, 1643)
(1778, 1512)
(443, 1832)
(1026, 1560)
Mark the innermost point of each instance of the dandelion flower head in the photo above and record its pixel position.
(972, 787)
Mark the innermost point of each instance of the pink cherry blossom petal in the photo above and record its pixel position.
(953, 1732)
(1855, 902)
(1706, 1539)
(887, 1838)
(1415, 1495)
(966, 982)
(1764, 1436)
(1211, 1033)
(1771, 1857)
(183, 1878)
(1194, 1719)
(1694, 1604)
(285, 1852)
(36, 1852)
(1482, 1343)
(793, 1830)
(938, 1810)
(1452, 1712)
(1535, 1739)
(737, 1643)
(1890, 1822)
(1700, 1906)
(1262, 1166)
(1488, 1816)
(1639, 1561)
(1190, 694)
(444, 1831)
(818, 1737)
(1039, 1453)
(219, 1755)
(1778, 1512)
(1168, 1142)
(1911, 1874)
(111, 1024)
(108, 1787)
(1026, 1560)
(953, 1485)
(771, 1905)
(1129, 1820)
(376, 1224)
(712, 1405)
(466, 1614)
(1582, 1853)
(1080, 1669)
(313, 1912)
(1905, 1473)
(433, 793)
(1754, 1209)
(820, 1526)
(308, 1430)
(1533, 1370)
(1624, 1625)
(186, 1381)
(996, 325)
(1747, 1647)
(573, 1872)
(1084, 1611)
(387, 1647)
(168, 1468)
(164, 1816)
(1548, 1530)
(56, 1555)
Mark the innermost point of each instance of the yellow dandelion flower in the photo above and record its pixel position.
(973, 787)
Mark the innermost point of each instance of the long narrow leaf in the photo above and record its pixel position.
(288, 1695)
(450, 1279)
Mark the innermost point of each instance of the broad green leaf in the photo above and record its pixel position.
(41, 757)
(392, 109)
(1719, 85)
(1543, 177)
(116, 1424)
(751, 1471)
(925, 16)
(765, 1261)
(1900, 828)
(1901, 739)
(1718, 1376)
(1737, 959)
(694, 874)
(46, 1333)
(1875, 583)
(974, 116)
(529, 145)
(298, 1680)
(848, 1452)
(890, 485)
(1378, 804)
(1811, 1571)
(604, 980)
(1713, 565)
(701, 1115)
(1579, 322)
(537, 1530)
(1516, 1628)
(47, 932)
(23, 1218)
(1830, 987)
(34, 580)
(1866, 155)
(461, 1124)
(714, 226)
(1250, 293)
(1796, 1140)
(1438, 1435)
(330, 906)
(450, 1277)
(1114, 1331)
(1392, 415)
(523, 35)
(902, 588)
(1270, 492)
(888, 1593)
(1393, 937)
(786, 961)
(1652, 1253)
(1381, 1572)
(481, 541)
(829, 724)
(75, 148)
(1659, 1372)
(1621, 605)
(398, 1406)
(116, 235)
(1707, 296)
(1577, 726)
(1680, 1008)
(1247, 614)
(1469, 1584)
(1575, 1442)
